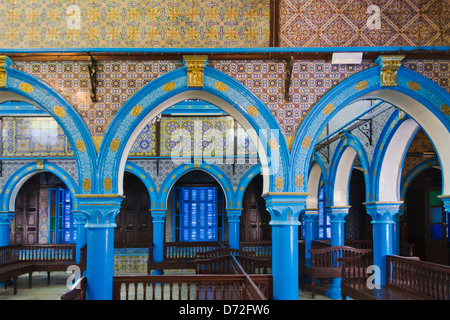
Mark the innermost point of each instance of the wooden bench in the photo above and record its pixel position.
(180, 255)
(324, 263)
(407, 278)
(16, 260)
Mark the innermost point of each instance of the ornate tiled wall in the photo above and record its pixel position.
(145, 144)
(118, 80)
(353, 23)
(179, 137)
(134, 23)
(34, 137)
(222, 23)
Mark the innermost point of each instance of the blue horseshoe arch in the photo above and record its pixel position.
(219, 89)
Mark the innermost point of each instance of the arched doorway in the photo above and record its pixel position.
(254, 224)
(358, 221)
(43, 212)
(196, 209)
(134, 223)
(426, 220)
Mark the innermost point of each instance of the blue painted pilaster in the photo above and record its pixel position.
(234, 216)
(382, 214)
(5, 225)
(101, 211)
(396, 231)
(337, 220)
(158, 217)
(80, 222)
(284, 209)
(310, 218)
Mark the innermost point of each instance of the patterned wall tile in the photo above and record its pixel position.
(134, 23)
(29, 137)
(343, 23)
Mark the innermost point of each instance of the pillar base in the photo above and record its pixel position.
(334, 292)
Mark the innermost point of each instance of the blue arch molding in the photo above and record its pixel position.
(145, 178)
(389, 130)
(349, 141)
(28, 170)
(65, 115)
(216, 84)
(414, 172)
(243, 183)
(176, 173)
(430, 94)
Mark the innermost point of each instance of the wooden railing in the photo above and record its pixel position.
(260, 248)
(225, 279)
(47, 252)
(228, 264)
(188, 250)
(186, 287)
(426, 279)
(37, 252)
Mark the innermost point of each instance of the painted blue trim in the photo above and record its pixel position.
(145, 178)
(244, 182)
(29, 170)
(431, 95)
(72, 124)
(380, 150)
(181, 170)
(19, 108)
(236, 95)
(350, 141)
(180, 51)
(414, 172)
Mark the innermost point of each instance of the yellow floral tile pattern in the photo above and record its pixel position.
(134, 23)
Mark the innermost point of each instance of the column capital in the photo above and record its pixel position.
(100, 209)
(79, 217)
(285, 207)
(383, 211)
(158, 216)
(446, 201)
(6, 217)
(337, 213)
(234, 215)
(310, 215)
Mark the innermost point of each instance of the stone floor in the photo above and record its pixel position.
(41, 290)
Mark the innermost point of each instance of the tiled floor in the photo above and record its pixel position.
(41, 290)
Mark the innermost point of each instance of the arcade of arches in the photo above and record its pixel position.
(231, 124)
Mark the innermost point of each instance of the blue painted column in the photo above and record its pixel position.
(382, 214)
(337, 220)
(310, 218)
(101, 211)
(234, 217)
(80, 222)
(158, 217)
(5, 225)
(284, 209)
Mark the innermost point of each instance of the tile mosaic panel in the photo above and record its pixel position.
(348, 23)
(185, 136)
(134, 23)
(145, 143)
(28, 137)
